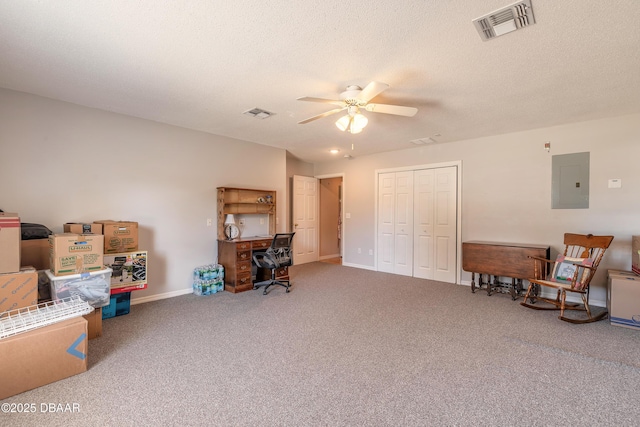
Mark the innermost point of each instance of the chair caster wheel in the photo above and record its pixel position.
(287, 291)
(264, 293)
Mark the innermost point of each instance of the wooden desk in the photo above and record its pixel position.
(499, 259)
(237, 258)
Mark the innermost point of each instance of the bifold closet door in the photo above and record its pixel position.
(435, 226)
(417, 223)
(395, 223)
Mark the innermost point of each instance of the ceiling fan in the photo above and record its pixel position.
(352, 100)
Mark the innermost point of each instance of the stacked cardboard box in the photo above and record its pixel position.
(623, 299)
(9, 242)
(72, 253)
(42, 356)
(18, 286)
(18, 290)
(119, 236)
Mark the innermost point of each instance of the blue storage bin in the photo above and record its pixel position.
(119, 305)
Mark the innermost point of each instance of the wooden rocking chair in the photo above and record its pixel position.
(570, 272)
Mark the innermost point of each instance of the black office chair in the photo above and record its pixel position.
(276, 256)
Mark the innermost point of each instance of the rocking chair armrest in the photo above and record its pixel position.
(540, 269)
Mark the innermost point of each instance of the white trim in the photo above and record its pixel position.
(328, 257)
(458, 165)
(165, 295)
(363, 267)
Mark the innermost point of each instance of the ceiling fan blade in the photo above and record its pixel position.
(322, 100)
(372, 90)
(319, 116)
(392, 109)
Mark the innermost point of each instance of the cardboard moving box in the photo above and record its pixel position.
(119, 236)
(75, 253)
(623, 299)
(42, 356)
(18, 290)
(94, 323)
(35, 253)
(9, 242)
(79, 228)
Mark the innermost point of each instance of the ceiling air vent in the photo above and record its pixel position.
(258, 113)
(505, 20)
(423, 141)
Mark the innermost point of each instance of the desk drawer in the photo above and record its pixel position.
(261, 244)
(244, 255)
(244, 278)
(243, 246)
(243, 267)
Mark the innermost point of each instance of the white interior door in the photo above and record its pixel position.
(386, 221)
(403, 224)
(423, 224)
(445, 224)
(305, 219)
(435, 226)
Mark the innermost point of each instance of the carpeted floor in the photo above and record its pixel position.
(348, 347)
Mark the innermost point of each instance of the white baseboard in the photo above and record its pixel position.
(364, 267)
(157, 297)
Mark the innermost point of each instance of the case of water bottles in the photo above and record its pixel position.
(208, 279)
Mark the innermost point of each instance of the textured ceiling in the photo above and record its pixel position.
(200, 64)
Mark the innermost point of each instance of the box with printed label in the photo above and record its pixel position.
(80, 228)
(18, 290)
(119, 236)
(129, 270)
(9, 242)
(623, 299)
(71, 253)
(42, 356)
(92, 287)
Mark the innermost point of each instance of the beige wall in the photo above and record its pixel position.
(60, 162)
(506, 189)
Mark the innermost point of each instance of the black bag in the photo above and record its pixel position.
(34, 231)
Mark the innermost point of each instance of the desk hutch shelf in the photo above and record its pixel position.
(243, 201)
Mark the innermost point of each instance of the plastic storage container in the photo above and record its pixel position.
(93, 287)
(120, 304)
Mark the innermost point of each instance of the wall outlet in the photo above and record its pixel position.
(209, 222)
(261, 221)
(241, 221)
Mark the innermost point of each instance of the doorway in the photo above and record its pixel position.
(308, 208)
(330, 220)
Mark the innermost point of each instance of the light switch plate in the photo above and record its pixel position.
(615, 183)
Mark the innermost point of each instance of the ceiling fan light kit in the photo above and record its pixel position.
(352, 100)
